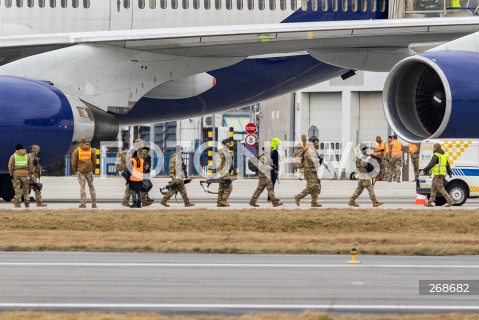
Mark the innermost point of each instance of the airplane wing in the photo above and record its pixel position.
(384, 36)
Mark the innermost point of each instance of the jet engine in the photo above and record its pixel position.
(434, 95)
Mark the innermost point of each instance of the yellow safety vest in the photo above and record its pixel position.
(440, 168)
(84, 154)
(21, 161)
(456, 4)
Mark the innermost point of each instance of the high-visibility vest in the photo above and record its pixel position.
(440, 168)
(137, 172)
(396, 148)
(84, 154)
(413, 148)
(456, 4)
(380, 146)
(21, 161)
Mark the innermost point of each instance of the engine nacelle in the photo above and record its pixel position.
(35, 112)
(434, 95)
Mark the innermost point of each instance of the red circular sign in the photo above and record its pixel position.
(250, 128)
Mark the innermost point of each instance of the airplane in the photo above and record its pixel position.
(73, 68)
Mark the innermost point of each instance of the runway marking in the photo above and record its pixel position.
(226, 265)
(235, 306)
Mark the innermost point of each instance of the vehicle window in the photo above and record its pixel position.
(294, 5)
(261, 4)
(64, 3)
(185, 4)
(196, 4)
(304, 5)
(19, 3)
(207, 4)
(218, 4)
(174, 4)
(75, 3)
(250, 4)
(345, 5)
(152, 4)
(163, 4)
(335, 5)
(383, 5)
(141, 4)
(8, 3)
(272, 4)
(126, 4)
(86, 4)
(282, 4)
(229, 4)
(53, 3)
(41, 3)
(324, 5)
(355, 6)
(314, 5)
(374, 6)
(239, 4)
(364, 5)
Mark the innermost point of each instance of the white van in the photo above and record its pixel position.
(464, 160)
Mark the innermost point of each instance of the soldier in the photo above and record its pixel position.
(223, 165)
(364, 180)
(380, 148)
(177, 174)
(144, 153)
(19, 166)
(311, 162)
(120, 165)
(83, 160)
(35, 174)
(414, 154)
(395, 159)
(264, 181)
(440, 166)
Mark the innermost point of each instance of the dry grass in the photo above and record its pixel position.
(244, 231)
(154, 316)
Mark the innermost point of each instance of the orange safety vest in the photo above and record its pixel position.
(84, 154)
(137, 174)
(396, 149)
(381, 145)
(413, 148)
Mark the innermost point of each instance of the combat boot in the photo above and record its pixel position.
(223, 204)
(352, 203)
(429, 204)
(277, 203)
(163, 203)
(253, 204)
(133, 204)
(16, 206)
(82, 206)
(450, 204)
(41, 204)
(125, 203)
(316, 205)
(93, 206)
(189, 204)
(146, 203)
(138, 204)
(376, 203)
(297, 199)
(27, 205)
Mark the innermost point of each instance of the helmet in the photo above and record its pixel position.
(362, 146)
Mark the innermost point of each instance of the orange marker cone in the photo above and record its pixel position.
(420, 199)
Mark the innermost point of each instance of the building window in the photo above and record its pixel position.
(272, 5)
(86, 4)
(141, 4)
(174, 4)
(364, 5)
(19, 3)
(229, 4)
(53, 3)
(64, 3)
(282, 4)
(250, 4)
(294, 5)
(261, 4)
(239, 4)
(126, 4)
(304, 5)
(41, 3)
(218, 4)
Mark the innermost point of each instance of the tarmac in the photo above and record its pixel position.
(64, 193)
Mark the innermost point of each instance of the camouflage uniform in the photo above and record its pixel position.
(20, 178)
(395, 164)
(35, 173)
(178, 184)
(437, 185)
(264, 181)
(83, 179)
(362, 164)
(311, 161)
(120, 165)
(225, 188)
(415, 164)
(83, 167)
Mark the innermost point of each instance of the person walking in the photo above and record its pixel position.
(19, 167)
(223, 165)
(395, 159)
(35, 174)
(83, 161)
(264, 181)
(380, 149)
(414, 154)
(363, 162)
(135, 182)
(440, 167)
(311, 163)
(275, 142)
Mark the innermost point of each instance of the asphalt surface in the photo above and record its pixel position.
(63, 193)
(230, 284)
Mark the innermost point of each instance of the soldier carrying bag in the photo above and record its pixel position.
(297, 162)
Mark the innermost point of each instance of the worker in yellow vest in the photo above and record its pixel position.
(440, 167)
(395, 159)
(83, 162)
(380, 149)
(19, 166)
(414, 154)
(456, 4)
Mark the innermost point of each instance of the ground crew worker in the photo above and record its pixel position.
(440, 167)
(144, 153)
(35, 173)
(311, 162)
(178, 176)
(19, 167)
(223, 165)
(83, 161)
(380, 148)
(275, 162)
(302, 144)
(395, 159)
(264, 181)
(414, 154)
(364, 180)
(135, 182)
(120, 165)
